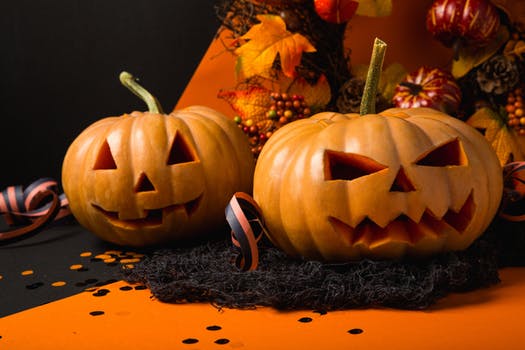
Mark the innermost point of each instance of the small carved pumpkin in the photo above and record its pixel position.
(402, 182)
(148, 178)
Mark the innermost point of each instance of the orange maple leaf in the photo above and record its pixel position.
(252, 103)
(264, 41)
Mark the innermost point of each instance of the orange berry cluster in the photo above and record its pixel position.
(515, 110)
(284, 109)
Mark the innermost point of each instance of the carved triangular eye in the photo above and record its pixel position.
(105, 158)
(348, 166)
(180, 151)
(448, 154)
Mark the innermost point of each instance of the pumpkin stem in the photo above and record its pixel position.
(131, 83)
(368, 101)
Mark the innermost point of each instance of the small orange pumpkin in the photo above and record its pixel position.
(149, 178)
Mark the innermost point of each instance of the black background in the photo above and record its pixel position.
(59, 67)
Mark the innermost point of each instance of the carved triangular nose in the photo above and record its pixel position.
(402, 183)
(144, 184)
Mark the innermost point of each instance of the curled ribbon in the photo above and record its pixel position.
(513, 203)
(245, 219)
(31, 208)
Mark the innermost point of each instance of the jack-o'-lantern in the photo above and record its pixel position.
(402, 182)
(148, 178)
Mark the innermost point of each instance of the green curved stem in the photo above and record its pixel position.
(368, 101)
(130, 82)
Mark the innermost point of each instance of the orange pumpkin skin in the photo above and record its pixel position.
(148, 178)
(402, 182)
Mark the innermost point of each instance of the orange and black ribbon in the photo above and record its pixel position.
(245, 219)
(30, 209)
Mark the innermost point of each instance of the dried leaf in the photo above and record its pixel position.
(502, 139)
(374, 8)
(264, 41)
(251, 103)
(515, 10)
(471, 57)
(316, 96)
(514, 48)
(390, 77)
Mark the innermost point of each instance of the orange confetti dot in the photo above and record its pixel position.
(109, 260)
(126, 261)
(58, 284)
(27, 272)
(114, 252)
(103, 256)
(76, 267)
(129, 266)
(86, 254)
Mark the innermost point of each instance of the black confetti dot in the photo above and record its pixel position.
(35, 285)
(140, 287)
(101, 292)
(190, 341)
(96, 313)
(95, 259)
(126, 288)
(355, 331)
(91, 281)
(214, 328)
(222, 341)
(305, 319)
(321, 312)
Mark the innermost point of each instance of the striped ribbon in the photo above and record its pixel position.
(32, 207)
(513, 203)
(245, 219)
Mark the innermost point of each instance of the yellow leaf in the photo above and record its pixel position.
(374, 8)
(264, 41)
(390, 77)
(316, 96)
(502, 139)
(471, 57)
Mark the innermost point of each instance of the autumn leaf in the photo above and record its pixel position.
(251, 103)
(316, 96)
(374, 8)
(471, 57)
(264, 41)
(390, 77)
(502, 139)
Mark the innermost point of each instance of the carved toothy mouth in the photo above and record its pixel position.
(404, 229)
(153, 217)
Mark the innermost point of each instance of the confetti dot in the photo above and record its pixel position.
(76, 267)
(222, 341)
(114, 252)
(86, 254)
(190, 341)
(129, 266)
(91, 280)
(103, 256)
(109, 260)
(355, 331)
(214, 328)
(140, 287)
(35, 285)
(126, 288)
(91, 289)
(96, 313)
(101, 292)
(305, 319)
(27, 272)
(58, 284)
(128, 261)
(321, 312)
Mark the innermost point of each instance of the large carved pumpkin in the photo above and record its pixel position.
(148, 178)
(402, 182)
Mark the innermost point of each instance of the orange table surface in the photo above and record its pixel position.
(491, 318)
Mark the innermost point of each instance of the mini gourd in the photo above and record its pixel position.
(148, 178)
(342, 187)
